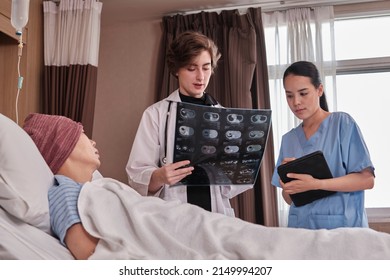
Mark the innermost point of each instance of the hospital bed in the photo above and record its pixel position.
(147, 227)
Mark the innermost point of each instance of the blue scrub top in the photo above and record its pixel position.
(342, 143)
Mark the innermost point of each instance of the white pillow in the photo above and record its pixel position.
(24, 176)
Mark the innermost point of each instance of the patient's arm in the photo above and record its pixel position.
(79, 242)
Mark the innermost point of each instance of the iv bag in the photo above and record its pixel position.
(19, 14)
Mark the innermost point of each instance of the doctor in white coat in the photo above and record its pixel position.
(192, 58)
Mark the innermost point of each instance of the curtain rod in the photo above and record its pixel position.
(270, 6)
(58, 1)
(263, 7)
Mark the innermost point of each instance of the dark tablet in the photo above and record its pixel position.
(314, 164)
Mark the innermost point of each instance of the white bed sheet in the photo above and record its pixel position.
(131, 226)
(136, 227)
(21, 241)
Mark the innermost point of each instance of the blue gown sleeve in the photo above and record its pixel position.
(63, 209)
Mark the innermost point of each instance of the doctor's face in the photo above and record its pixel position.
(194, 78)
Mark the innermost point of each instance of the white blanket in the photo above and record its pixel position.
(131, 226)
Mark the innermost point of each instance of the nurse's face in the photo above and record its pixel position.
(302, 96)
(194, 78)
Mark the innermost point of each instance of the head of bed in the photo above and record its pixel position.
(24, 212)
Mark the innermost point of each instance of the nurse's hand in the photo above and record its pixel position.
(285, 160)
(169, 174)
(301, 183)
(285, 195)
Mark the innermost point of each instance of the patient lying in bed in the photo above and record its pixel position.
(121, 224)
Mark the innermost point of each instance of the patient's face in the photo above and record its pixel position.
(85, 152)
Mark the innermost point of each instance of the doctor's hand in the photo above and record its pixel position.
(169, 174)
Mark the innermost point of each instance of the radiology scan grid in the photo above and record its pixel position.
(225, 145)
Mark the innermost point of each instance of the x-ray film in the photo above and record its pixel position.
(225, 145)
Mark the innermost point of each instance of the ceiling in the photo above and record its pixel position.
(128, 10)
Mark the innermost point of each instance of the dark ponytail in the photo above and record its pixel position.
(323, 102)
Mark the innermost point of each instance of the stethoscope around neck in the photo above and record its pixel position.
(164, 159)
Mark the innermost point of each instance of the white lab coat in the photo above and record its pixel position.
(148, 152)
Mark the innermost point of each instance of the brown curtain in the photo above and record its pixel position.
(240, 81)
(70, 91)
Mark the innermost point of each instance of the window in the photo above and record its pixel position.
(365, 37)
(363, 70)
(366, 98)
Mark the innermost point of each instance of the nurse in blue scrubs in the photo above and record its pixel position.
(338, 136)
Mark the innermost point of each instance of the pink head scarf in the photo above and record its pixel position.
(55, 137)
